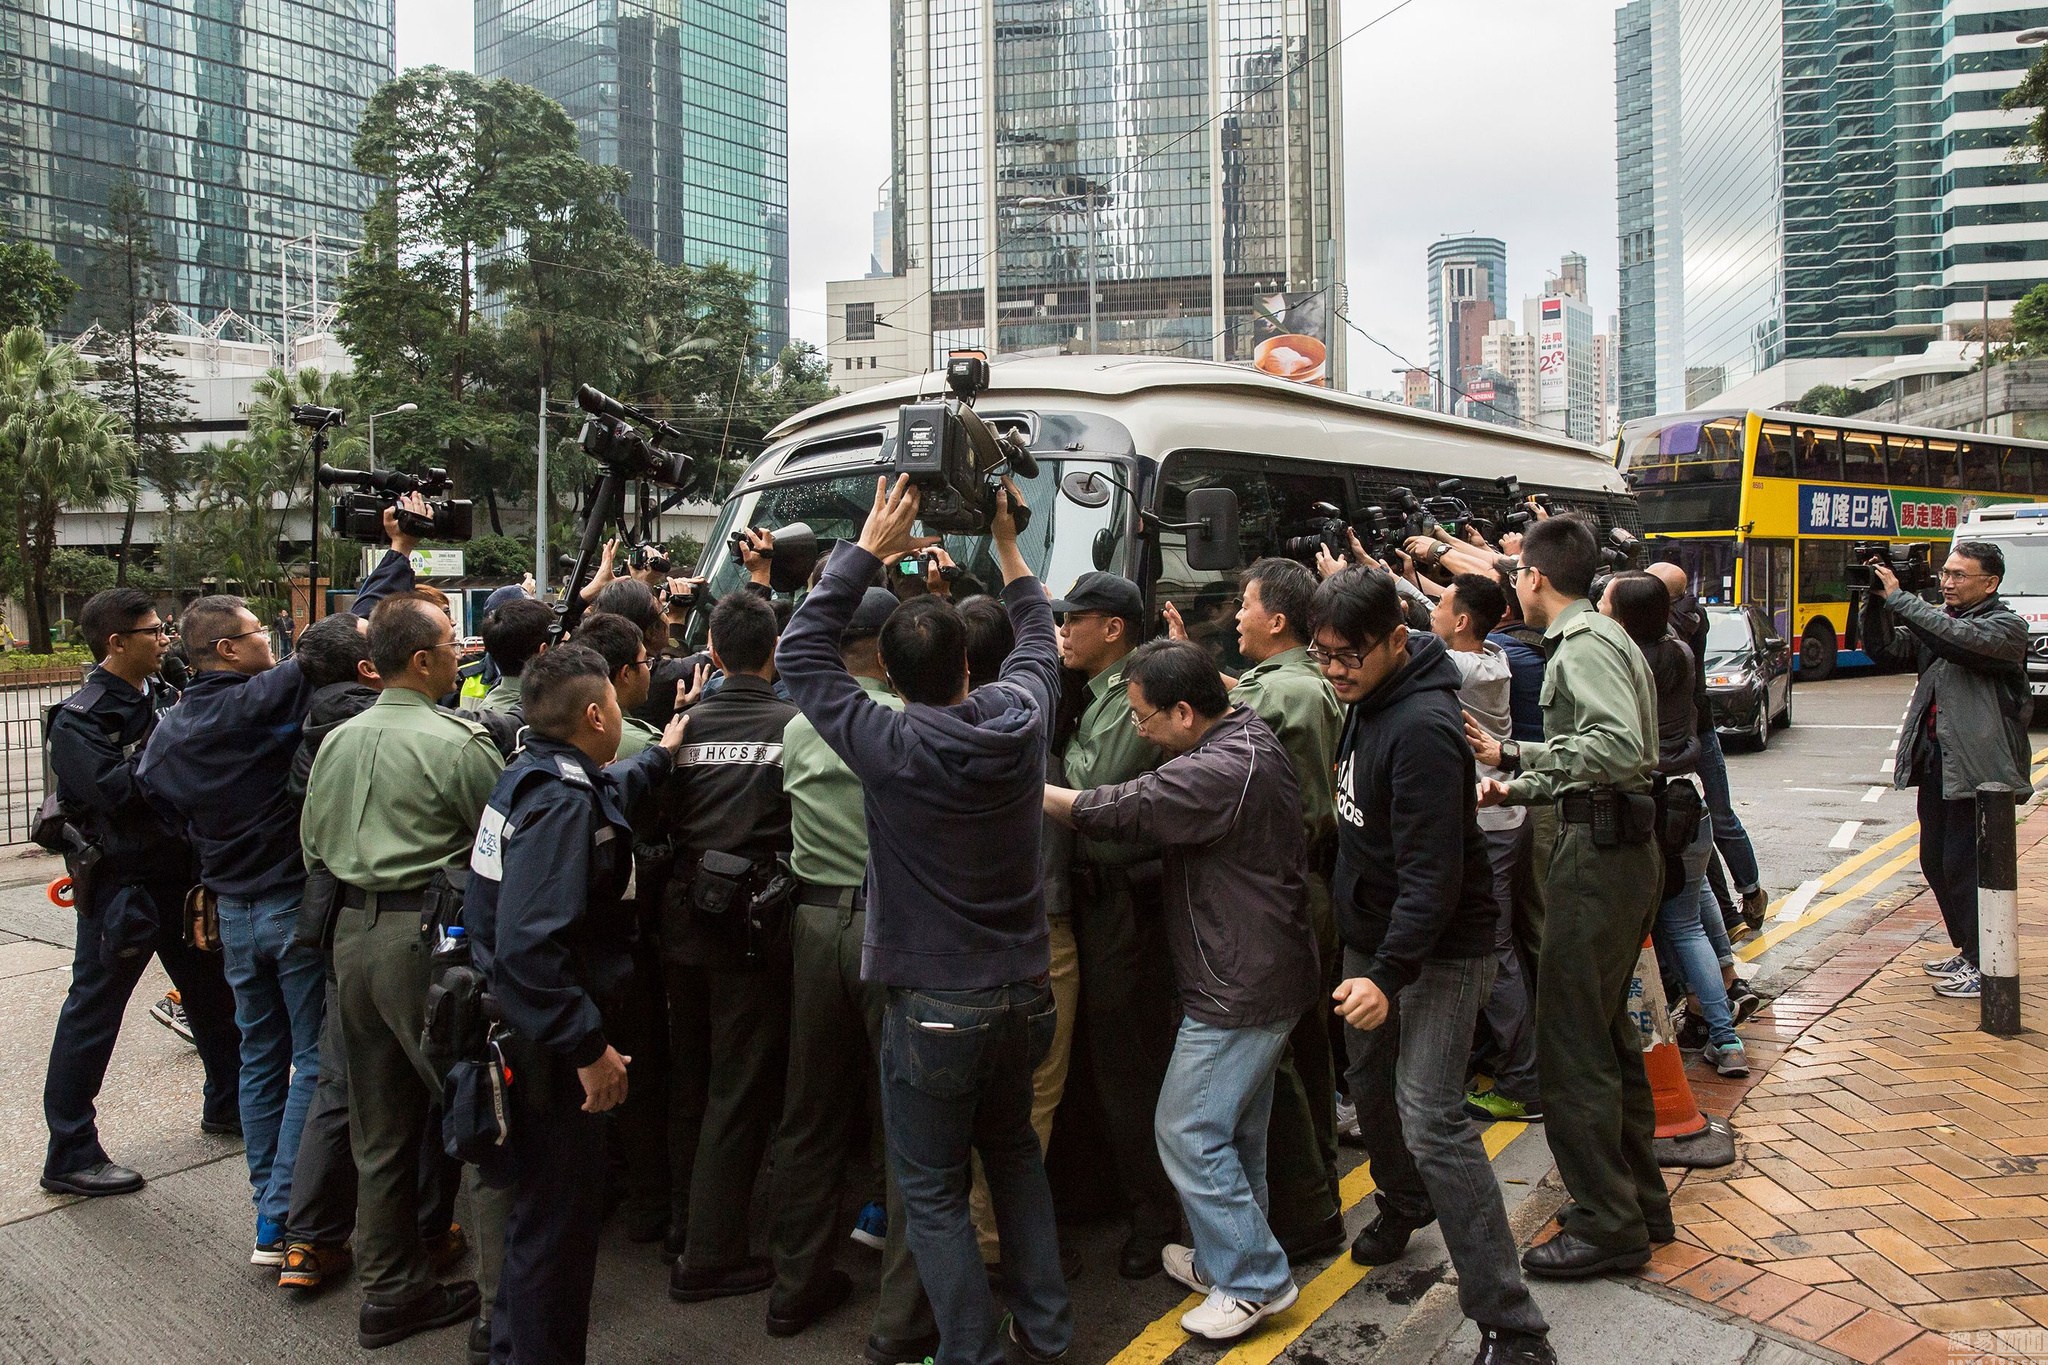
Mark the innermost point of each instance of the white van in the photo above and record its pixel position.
(2020, 529)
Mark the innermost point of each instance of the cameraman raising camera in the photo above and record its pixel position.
(1966, 727)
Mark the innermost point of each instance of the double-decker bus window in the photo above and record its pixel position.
(1774, 451)
(2015, 470)
(1980, 465)
(1907, 457)
(1822, 566)
(1943, 463)
(1817, 453)
(1720, 454)
(1862, 458)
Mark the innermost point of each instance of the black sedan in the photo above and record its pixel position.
(1749, 673)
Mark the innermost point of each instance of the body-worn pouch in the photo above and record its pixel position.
(456, 1025)
(441, 901)
(319, 908)
(723, 888)
(476, 1115)
(202, 920)
(1639, 818)
(128, 923)
(1679, 808)
(768, 915)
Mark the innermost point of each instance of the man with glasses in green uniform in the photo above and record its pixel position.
(1605, 880)
(1127, 999)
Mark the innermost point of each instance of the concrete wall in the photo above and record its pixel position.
(2018, 402)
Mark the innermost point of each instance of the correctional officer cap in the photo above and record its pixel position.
(870, 616)
(1097, 591)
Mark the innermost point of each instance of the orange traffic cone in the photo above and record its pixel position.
(1685, 1136)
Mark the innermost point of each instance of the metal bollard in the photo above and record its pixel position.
(1998, 911)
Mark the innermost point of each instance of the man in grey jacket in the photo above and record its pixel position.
(1966, 727)
(1226, 810)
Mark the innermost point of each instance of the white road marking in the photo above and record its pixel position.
(1824, 791)
(1807, 726)
(1846, 835)
(1873, 793)
(1885, 766)
(1795, 904)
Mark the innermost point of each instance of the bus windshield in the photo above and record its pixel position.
(1059, 544)
(1681, 451)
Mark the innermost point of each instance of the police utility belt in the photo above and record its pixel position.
(1666, 816)
(437, 904)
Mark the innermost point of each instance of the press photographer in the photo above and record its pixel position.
(1966, 726)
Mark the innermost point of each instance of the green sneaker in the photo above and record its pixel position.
(1490, 1106)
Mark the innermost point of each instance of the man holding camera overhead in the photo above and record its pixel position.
(1966, 727)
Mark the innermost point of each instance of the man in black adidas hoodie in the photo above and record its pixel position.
(956, 927)
(1413, 897)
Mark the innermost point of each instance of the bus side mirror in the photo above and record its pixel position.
(1212, 529)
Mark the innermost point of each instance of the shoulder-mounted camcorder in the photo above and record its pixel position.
(956, 460)
(359, 515)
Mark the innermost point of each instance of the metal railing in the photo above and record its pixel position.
(24, 697)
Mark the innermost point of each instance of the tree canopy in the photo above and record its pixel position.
(34, 290)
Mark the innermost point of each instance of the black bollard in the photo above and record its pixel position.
(1998, 926)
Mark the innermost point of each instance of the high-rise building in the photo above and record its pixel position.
(1468, 290)
(1802, 180)
(1160, 178)
(235, 121)
(691, 98)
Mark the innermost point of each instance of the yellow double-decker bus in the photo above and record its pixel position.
(1761, 506)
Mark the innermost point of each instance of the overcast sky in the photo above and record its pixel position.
(1492, 116)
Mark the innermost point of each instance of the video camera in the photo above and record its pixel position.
(1622, 552)
(1448, 510)
(650, 559)
(359, 516)
(611, 437)
(792, 553)
(954, 458)
(1520, 516)
(1911, 562)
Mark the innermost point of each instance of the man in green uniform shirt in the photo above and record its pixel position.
(1287, 691)
(835, 1033)
(1127, 999)
(393, 800)
(1606, 876)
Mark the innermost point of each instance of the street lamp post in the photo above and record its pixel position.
(401, 408)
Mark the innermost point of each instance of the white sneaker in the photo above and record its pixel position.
(1220, 1317)
(1179, 1263)
(1945, 966)
(1347, 1123)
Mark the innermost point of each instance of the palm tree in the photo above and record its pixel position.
(59, 449)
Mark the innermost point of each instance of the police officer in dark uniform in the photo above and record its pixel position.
(129, 904)
(728, 971)
(553, 937)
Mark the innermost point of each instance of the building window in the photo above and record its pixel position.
(860, 322)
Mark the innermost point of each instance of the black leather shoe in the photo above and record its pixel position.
(479, 1343)
(1313, 1244)
(750, 1276)
(1016, 1336)
(1513, 1348)
(94, 1181)
(1382, 1241)
(1139, 1260)
(228, 1127)
(1569, 1257)
(786, 1320)
(1663, 1234)
(386, 1324)
(899, 1350)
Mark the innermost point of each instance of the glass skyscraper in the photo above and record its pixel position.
(1468, 288)
(691, 97)
(1181, 155)
(235, 120)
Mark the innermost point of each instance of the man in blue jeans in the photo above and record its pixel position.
(216, 768)
(1226, 809)
(956, 926)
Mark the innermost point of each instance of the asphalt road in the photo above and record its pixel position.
(164, 1273)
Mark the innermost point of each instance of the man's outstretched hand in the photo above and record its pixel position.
(887, 531)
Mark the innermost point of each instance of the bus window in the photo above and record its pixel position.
(1817, 453)
(1720, 454)
(1943, 470)
(1821, 570)
(1862, 458)
(1774, 451)
(1907, 457)
(1684, 452)
(1980, 465)
(2015, 470)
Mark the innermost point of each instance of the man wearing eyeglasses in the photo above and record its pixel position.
(218, 768)
(1966, 726)
(128, 908)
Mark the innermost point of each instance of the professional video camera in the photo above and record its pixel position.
(792, 552)
(1449, 510)
(359, 516)
(953, 456)
(1622, 552)
(1911, 562)
(609, 437)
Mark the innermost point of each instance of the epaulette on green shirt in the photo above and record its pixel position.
(503, 697)
(1290, 694)
(396, 792)
(1599, 712)
(1106, 749)
(637, 737)
(827, 813)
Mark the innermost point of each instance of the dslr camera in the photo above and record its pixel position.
(919, 564)
(956, 460)
(1911, 562)
(1327, 531)
(1622, 552)
(359, 514)
(1519, 516)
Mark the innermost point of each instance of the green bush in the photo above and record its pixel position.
(17, 661)
(498, 557)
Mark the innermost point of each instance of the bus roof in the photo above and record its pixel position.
(1169, 404)
(1843, 423)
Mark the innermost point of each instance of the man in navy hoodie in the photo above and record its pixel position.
(217, 769)
(956, 916)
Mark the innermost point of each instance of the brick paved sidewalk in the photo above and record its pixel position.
(1891, 1198)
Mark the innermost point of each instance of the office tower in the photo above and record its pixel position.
(1157, 178)
(1468, 290)
(690, 97)
(235, 121)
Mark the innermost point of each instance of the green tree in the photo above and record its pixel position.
(2032, 93)
(127, 295)
(2030, 320)
(34, 290)
(498, 557)
(1832, 400)
(59, 450)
